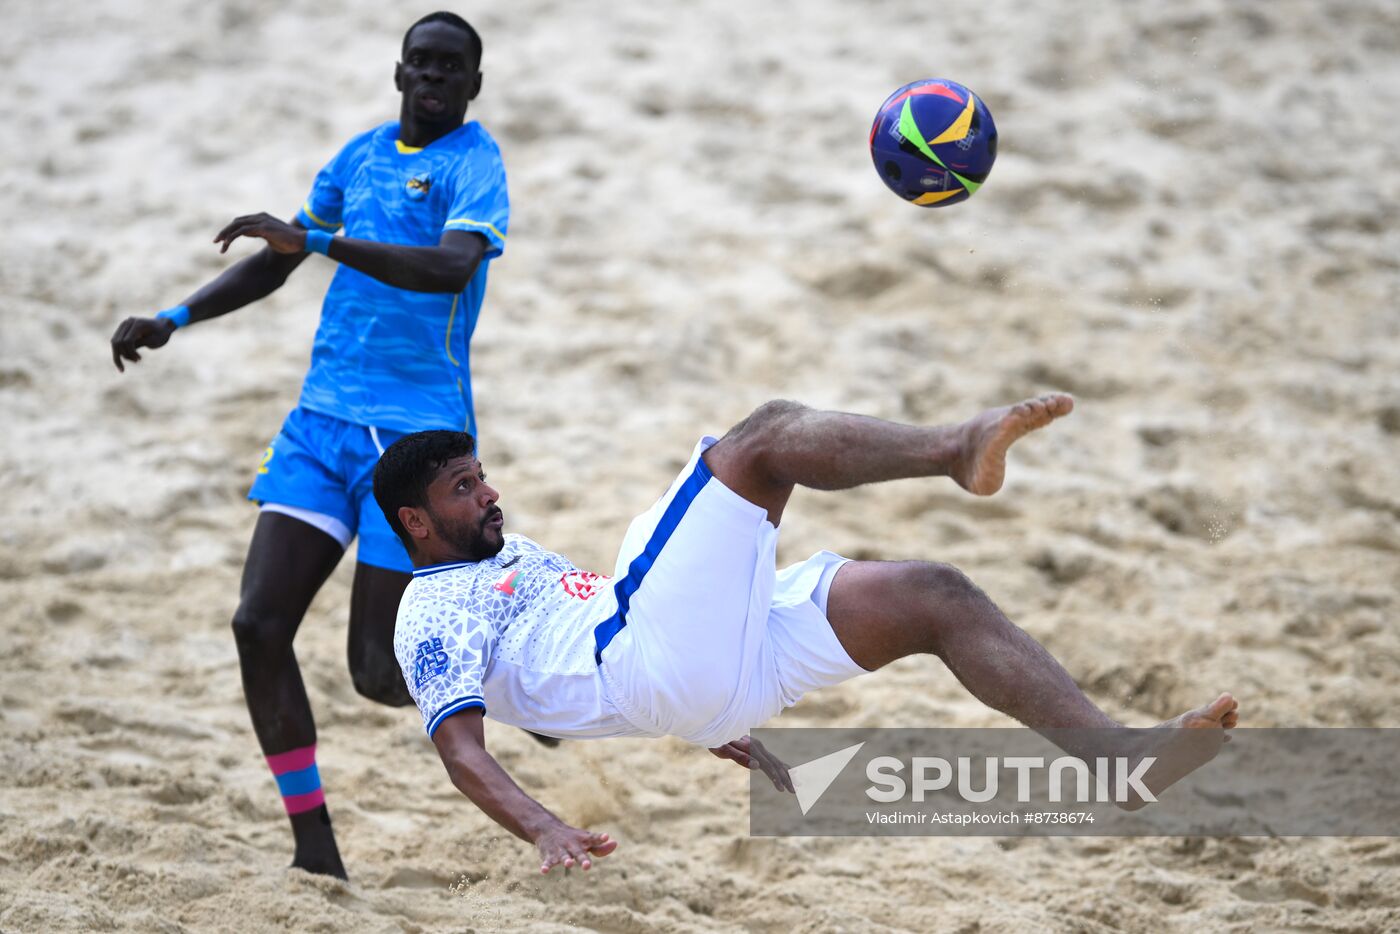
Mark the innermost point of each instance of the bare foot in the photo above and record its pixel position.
(1184, 744)
(980, 466)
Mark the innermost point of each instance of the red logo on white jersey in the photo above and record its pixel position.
(506, 584)
(581, 584)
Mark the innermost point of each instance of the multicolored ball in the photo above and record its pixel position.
(933, 142)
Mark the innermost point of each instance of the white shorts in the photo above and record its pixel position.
(711, 639)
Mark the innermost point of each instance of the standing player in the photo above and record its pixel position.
(424, 209)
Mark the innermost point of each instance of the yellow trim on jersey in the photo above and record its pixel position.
(306, 209)
(472, 223)
(406, 150)
(447, 341)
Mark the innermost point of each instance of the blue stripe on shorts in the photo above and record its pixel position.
(637, 570)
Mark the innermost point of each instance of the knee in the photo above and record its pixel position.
(946, 598)
(755, 434)
(775, 413)
(379, 679)
(261, 629)
(942, 581)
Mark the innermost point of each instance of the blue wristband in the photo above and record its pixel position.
(180, 314)
(318, 241)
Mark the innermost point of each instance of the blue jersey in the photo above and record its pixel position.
(389, 357)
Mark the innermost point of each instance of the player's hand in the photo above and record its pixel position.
(280, 235)
(752, 754)
(139, 332)
(562, 845)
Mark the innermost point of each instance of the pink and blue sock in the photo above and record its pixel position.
(298, 779)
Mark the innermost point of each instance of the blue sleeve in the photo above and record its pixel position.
(324, 208)
(479, 202)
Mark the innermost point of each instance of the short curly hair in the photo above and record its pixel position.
(408, 466)
(451, 19)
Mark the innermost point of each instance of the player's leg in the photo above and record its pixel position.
(374, 607)
(784, 444)
(693, 569)
(382, 571)
(883, 611)
(306, 523)
(288, 561)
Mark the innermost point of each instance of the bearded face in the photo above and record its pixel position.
(471, 538)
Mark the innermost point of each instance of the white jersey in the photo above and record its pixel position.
(512, 635)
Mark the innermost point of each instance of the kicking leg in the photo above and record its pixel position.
(288, 561)
(783, 444)
(883, 611)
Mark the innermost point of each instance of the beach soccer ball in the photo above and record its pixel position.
(933, 142)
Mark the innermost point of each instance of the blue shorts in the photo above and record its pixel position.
(326, 465)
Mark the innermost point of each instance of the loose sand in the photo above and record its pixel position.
(1191, 226)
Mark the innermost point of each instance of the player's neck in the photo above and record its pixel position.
(422, 559)
(419, 133)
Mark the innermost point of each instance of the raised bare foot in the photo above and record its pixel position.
(1183, 744)
(980, 466)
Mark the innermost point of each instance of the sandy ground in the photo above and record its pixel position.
(1191, 226)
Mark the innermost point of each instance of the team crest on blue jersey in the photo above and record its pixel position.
(429, 662)
(419, 186)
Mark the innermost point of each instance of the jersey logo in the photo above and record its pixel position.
(581, 584)
(430, 661)
(419, 186)
(506, 584)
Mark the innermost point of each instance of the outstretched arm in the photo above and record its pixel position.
(460, 741)
(447, 267)
(243, 283)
